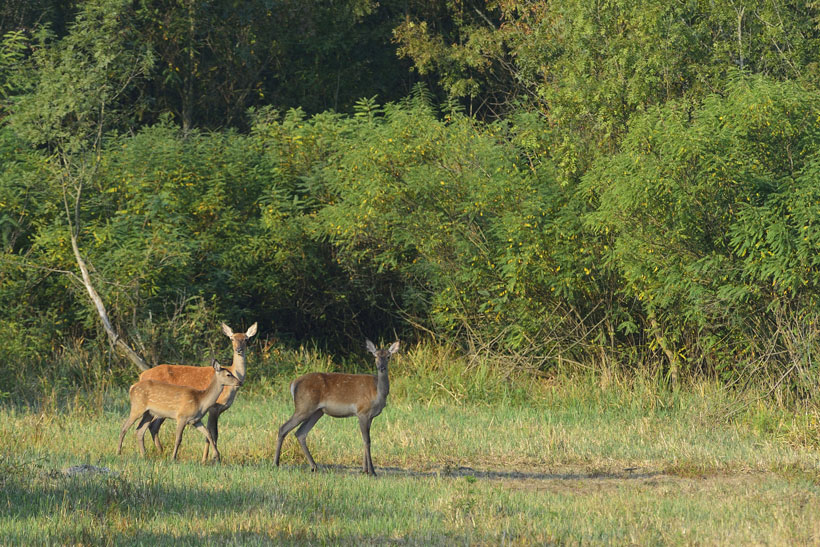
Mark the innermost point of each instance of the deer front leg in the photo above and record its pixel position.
(154, 429)
(209, 438)
(213, 419)
(141, 428)
(364, 426)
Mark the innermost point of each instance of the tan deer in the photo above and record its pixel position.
(340, 396)
(187, 405)
(200, 378)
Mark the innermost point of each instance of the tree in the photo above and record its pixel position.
(78, 99)
(710, 208)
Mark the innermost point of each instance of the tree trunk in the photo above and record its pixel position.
(116, 341)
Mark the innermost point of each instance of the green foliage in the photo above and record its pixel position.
(12, 51)
(211, 61)
(440, 218)
(589, 67)
(711, 210)
(581, 186)
(83, 81)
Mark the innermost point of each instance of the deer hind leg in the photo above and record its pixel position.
(286, 428)
(209, 438)
(154, 429)
(144, 424)
(129, 421)
(213, 419)
(302, 432)
(364, 426)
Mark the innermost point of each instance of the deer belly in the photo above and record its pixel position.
(160, 412)
(340, 410)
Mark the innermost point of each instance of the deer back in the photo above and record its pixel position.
(181, 375)
(187, 375)
(201, 377)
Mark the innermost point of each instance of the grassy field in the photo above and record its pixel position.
(513, 462)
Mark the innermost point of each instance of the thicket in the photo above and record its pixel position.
(618, 186)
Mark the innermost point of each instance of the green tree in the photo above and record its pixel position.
(589, 67)
(78, 98)
(709, 209)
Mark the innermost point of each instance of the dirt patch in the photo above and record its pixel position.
(571, 479)
(82, 470)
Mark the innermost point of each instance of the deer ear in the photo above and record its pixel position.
(370, 347)
(216, 365)
(251, 331)
(394, 348)
(227, 330)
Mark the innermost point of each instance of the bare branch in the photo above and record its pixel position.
(115, 339)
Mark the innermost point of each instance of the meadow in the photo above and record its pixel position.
(464, 455)
(609, 208)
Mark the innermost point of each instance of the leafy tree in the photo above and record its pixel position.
(709, 211)
(589, 67)
(443, 221)
(77, 100)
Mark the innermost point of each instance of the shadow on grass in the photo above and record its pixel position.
(111, 509)
(630, 473)
(134, 508)
(90, 537)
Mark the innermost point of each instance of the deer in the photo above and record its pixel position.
(200, 378)
(187, 405)
(340, 396)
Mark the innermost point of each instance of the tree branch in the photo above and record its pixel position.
(116, 341)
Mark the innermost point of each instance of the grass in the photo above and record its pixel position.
(465, 456)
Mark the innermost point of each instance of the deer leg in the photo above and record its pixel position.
(180, 428)
(141, 428)
(209, 438)
(302, 432)
(129, 421)
(286, 428)
(364, 426)
(213, 418)
(154, 429)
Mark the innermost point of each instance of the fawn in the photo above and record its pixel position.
(152, 399)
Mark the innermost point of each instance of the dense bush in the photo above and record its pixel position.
(712, 210)
(588, 195)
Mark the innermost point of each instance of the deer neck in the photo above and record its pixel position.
(212, 393)
(238, 365)
(382, 384)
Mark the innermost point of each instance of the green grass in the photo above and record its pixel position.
(463, 458)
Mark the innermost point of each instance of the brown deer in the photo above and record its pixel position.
(200, 378)
(340, 396)
(152, 399)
